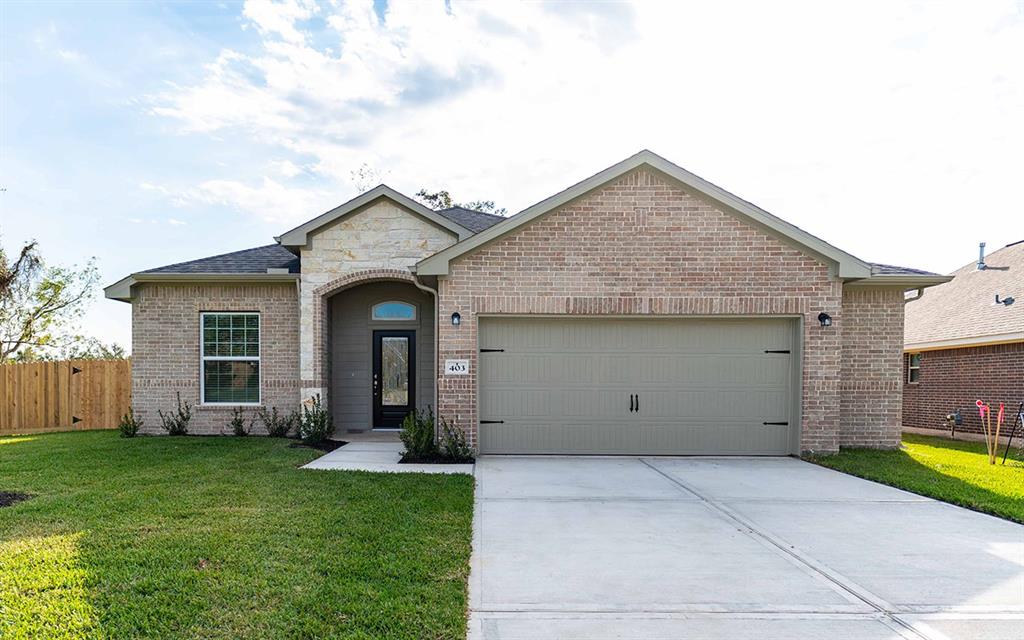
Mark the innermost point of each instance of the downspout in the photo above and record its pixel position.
(437, 335)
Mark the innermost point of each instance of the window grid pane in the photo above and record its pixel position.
(231, 335)
(227, 335)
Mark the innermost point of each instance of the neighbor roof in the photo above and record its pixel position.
(472, 219)
(847, 266)
(256, 260)
(964, 312)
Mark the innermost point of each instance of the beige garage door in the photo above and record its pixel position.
(637, 386)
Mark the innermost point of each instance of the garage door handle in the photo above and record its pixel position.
(776, 424)
(631, 405)
(638, 403)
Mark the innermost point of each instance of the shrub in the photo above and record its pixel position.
(278, 425)
(238, 425)
(418, 434)
(129, 425)
(176, 423)
(315, 424)
(453, 443)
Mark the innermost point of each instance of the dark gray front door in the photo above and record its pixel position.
(394, 379)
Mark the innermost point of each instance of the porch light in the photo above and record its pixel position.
(456, 319)
(825, 319)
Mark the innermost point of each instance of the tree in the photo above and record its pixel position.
(443, 200)
(39, 304)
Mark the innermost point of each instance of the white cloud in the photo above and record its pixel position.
(891, 130)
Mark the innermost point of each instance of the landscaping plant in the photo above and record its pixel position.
(176, 424)
(418, 435)
(129, 425)
(278, 425)
(453, 443)
(238, 425)
(315, 425)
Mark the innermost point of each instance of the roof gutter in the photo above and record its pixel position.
(122, 289)
(903, 280)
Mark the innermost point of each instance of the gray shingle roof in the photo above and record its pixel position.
(475, 221)
(892, 270)
(965, 307)
(256, 260)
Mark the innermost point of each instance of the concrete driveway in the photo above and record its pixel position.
(737, 548)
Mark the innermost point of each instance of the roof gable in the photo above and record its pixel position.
(299, 236)
(964, 311)
(847, 266)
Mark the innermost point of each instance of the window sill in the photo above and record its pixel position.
(213, 406)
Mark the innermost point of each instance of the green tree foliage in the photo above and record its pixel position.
(443, 200)
(39, 307)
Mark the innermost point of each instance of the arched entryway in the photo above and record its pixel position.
(378, 351)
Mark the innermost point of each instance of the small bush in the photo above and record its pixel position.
(176, 423)
(238, 423)
(278, 425)
(129, 425)
(453, 443)
(418, 434)
(315, 424)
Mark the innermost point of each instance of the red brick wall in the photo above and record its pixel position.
(954, 378)
(870, 400)
(641, 245)
(165, 348)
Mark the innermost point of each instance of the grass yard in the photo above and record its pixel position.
(951, 470)
(224, 538)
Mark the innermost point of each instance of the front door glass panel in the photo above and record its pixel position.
(395, 371)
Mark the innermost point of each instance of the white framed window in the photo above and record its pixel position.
(229, 357)
(393, 310)
(913, 368)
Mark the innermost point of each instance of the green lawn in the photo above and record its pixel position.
(224, 538)
(950, 470)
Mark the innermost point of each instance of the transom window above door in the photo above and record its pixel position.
(393, 310)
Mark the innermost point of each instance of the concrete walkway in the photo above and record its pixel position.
(378, 456)
(737, 548)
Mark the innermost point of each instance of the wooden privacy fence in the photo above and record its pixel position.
(68, 395)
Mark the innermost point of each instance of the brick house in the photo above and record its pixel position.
(964, 341)
(643, 310)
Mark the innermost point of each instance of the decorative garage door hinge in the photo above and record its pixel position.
(75, 419)
(776, 350)
(492, 351)
(776, 424)
(492, 422)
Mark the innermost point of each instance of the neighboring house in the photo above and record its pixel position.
(643, 310)
(964, 341)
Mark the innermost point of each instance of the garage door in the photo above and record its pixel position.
(637, 386)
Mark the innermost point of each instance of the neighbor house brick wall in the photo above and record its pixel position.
(383, 236)
(642, 245)
(955, 378)
(870, 401)
(166, 355)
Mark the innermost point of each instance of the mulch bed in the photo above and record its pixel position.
(7, 498)
(326, 446)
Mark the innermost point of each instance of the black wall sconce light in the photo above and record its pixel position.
(456, 319)
(824, 319)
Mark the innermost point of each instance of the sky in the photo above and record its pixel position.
(148, 133)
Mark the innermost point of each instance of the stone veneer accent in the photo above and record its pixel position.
(166, 357)
(954, 378)
(641, 245)
(382, 236)
(871, 390)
